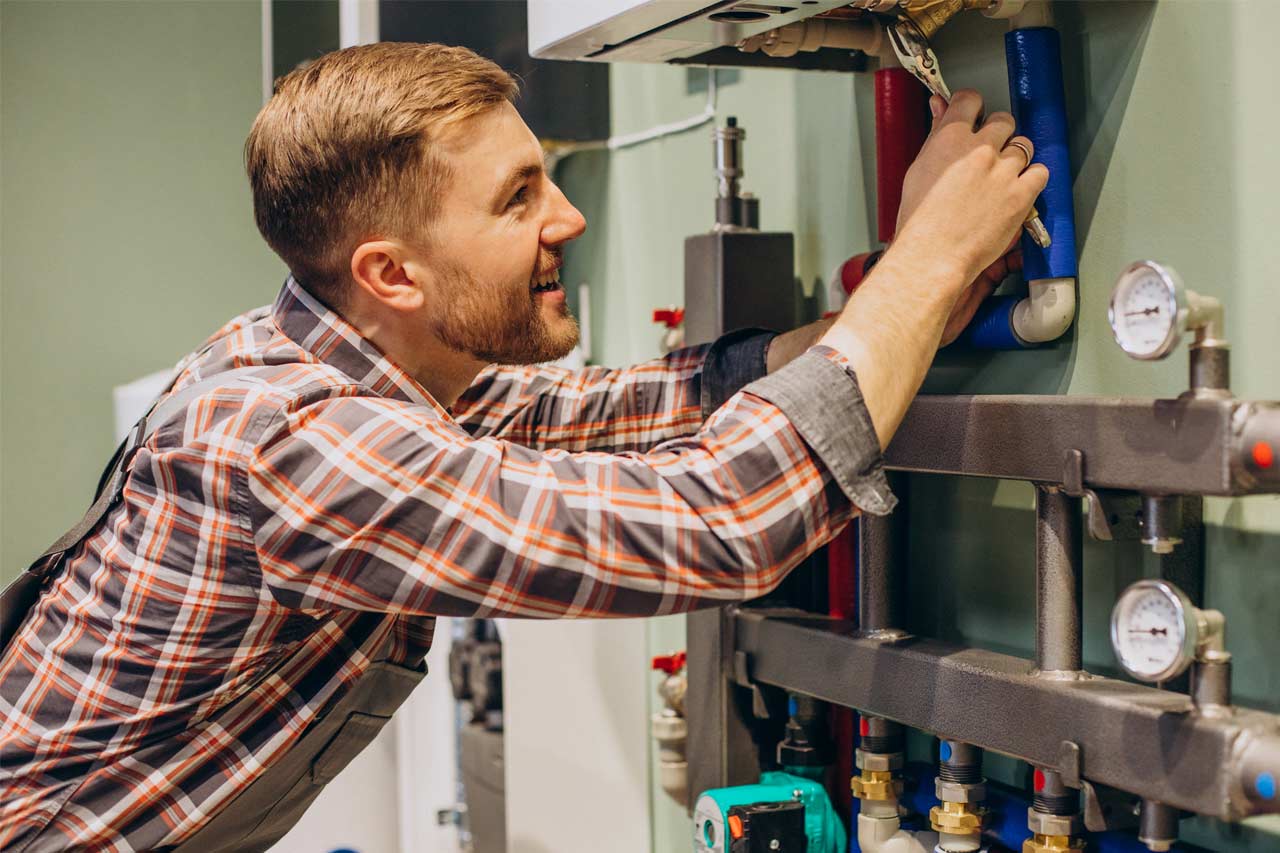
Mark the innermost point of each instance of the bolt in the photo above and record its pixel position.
(775, 844)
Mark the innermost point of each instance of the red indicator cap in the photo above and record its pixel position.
(1038, 780)
(735, 826)
(670, 664)
(863, 728)
(1263, 455)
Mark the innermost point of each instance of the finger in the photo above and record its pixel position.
(937, 108)
(1013, 260)
(998, 128)
(965, 107)
(1018, 153)
(1034, 179)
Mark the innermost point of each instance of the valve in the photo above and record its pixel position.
(672, 317)
(960, 789)
(1054, 816)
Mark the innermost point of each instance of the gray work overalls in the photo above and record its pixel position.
(269, 807)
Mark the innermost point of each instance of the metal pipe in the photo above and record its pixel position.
(1058, 582)
(1161, 522)
(1158, 826)
(1211, 686)
(875, 555)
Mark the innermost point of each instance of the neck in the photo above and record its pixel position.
(443, 372)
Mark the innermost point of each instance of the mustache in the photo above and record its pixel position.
(548, 259)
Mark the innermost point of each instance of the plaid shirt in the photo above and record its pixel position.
(323, 505)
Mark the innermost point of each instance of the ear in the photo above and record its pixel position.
(382, 270)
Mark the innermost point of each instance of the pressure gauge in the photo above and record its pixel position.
(1154, 630)
(1147, 308)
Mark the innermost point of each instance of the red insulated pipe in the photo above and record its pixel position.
(902, 123)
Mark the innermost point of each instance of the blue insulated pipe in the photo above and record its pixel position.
(1038, 103)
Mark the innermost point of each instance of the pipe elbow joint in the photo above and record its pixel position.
(885, 835)
(1047, 312)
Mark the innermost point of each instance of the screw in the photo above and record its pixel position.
(775, 844)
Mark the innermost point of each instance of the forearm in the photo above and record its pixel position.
(786, 347)
(891, 327)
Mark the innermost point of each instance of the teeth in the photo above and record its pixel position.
(547, 281)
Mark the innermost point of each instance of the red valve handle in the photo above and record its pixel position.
(670, 664)
(670, 317)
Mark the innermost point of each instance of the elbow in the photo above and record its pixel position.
(1047, 311)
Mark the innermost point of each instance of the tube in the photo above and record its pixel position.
(1038, 101)
(902, 108)
(1058, 582)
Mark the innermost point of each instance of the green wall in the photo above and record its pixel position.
(126, 231)
(1174, 122)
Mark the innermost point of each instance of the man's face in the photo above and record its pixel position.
(497, 244)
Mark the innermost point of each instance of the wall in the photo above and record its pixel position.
(125, 228)
(1173, 153)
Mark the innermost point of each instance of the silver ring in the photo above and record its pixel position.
(1026, 151)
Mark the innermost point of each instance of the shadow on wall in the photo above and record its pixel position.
(1102, 46)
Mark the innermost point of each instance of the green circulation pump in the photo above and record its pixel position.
(712, 831)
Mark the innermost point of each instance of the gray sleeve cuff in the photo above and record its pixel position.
(824, 403)
(730, 363)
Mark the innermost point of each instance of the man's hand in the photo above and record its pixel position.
(938, 195)
(969, 302)
(964, 201)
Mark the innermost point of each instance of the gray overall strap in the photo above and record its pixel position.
(21, 594)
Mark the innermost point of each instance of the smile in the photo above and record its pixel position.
(547, 281)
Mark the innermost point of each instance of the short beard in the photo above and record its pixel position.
(493, 324)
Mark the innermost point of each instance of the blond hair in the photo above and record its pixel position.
(344, 151)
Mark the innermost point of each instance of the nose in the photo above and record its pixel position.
(564, 222)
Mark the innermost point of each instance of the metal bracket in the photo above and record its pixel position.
(1104, 808)
(742, 677)
(1114, 516)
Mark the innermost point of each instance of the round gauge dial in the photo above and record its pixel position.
(1145, 310)
(1154, 630)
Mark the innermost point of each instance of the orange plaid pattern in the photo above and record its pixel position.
(323, 503)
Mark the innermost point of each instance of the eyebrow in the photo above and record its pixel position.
(518, 176)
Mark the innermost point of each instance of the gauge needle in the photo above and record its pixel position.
(1155, 632)
(1143, 312)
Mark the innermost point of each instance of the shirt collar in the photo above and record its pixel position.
(323, 333)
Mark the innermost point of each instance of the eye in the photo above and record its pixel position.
(520, 197)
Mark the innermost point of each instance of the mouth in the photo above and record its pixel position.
(547, 282)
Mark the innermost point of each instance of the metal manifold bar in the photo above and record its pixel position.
(1177, 446)
(1141, 740)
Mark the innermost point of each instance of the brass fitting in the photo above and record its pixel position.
(957, 818)
(928, 16)
(876, 785)
(1052, 844)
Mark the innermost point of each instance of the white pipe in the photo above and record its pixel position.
(1047, 312)
(885, 835)
(1035, 13)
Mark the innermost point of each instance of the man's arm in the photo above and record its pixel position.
(369, 504)
(964, 200)
(615, 410)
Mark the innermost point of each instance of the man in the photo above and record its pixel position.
(376, 451)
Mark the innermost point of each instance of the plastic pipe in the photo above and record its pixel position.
(902, 109)
(1038, 102)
